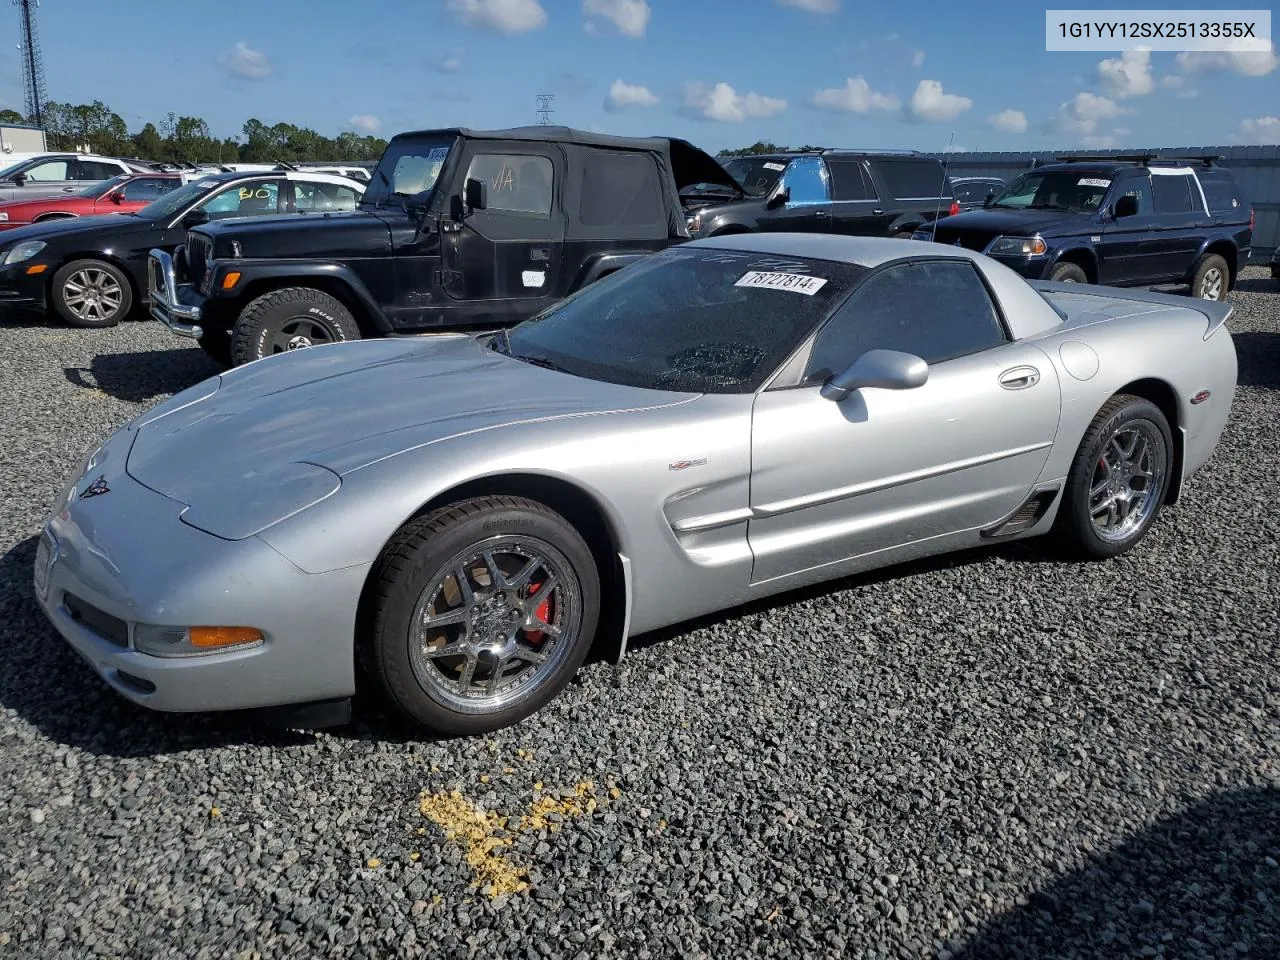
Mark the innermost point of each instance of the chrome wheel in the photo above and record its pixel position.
(1212, 284)
(494, 623)
(1128, 480)
(299, 333)
(92, 294)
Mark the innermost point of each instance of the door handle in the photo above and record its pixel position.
(820, 213)
(877, 212)
(1019, 378)
(540, 253)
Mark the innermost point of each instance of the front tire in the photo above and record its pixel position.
(480, 613)
(1118, 481)
(91, 293)
(292, 318)
(1211, 279)
(1068, 273)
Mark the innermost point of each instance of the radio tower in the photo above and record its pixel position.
(545, 100)
(32, 62)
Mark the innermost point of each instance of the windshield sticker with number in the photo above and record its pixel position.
(775, 166)
(1093, 182)
(795, 282)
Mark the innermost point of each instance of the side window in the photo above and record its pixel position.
(914, 179)
(807, 179)
(937, 310)
(1139, 187)
(95, 170)
(146, 189)
(1221, 193)
(252, 199)
(849, 181)
(518, 183)
(323, 196)
(48, 171)
(1173, 194)
(621, 189)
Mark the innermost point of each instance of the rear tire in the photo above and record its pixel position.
(292, 318)
(1211, 279)
(547, 578)
(1068, 273)
(91, 294)
(1118, 480)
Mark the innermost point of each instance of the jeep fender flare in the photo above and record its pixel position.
(295, 273)
(601, 264)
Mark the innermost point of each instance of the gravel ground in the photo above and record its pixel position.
(996, 755)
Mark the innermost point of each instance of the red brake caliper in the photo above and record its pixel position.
(543, 613)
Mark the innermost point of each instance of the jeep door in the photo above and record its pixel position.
(504, 260)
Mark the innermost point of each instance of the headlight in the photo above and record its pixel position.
(192, 641)
(24, 251)
(1018, 246)
(694, 223)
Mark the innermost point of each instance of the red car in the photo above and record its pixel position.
(122, 194)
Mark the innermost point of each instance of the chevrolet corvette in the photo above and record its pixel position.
(463, 517)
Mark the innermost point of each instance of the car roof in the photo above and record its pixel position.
(281, 174)
(863, 251)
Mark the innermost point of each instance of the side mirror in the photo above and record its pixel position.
(990, 199)
(195, 218)
(778, 198)
(1126, 206)
(20, 179)
(882, 369)
(116, 196)
(475, 194)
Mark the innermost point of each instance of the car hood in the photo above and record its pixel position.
(302, 234)
(111, 223)
(1013, 223)
(306, 419)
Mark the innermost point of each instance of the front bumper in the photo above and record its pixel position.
(21, 290)
(1033, 268)
(115, 560)
(177, 307)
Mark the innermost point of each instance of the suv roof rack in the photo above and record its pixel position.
(1143, 158)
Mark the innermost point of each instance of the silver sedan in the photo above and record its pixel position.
(463, 517)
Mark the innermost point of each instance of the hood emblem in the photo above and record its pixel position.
(686, 464)
(95, 489)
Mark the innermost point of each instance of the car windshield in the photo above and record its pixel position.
(756, 174)
(8, 171)
(172, 202)
(101, 189)
(408, 168)
(1077, 191)
(693, 319)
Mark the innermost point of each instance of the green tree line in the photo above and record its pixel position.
(761, 146)
(174, 138)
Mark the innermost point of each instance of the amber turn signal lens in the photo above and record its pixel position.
(206, 637)
(37, 268)
(230, 280)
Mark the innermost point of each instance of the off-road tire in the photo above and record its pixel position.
(262, 323)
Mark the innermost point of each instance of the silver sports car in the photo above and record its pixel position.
(462, 517)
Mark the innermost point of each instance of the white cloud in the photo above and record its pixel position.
(1262, 130)
(500, 16)
(623, 95)
(364, 123)
(1128, 75)
(856, 96)
(451, 63)
(917, 58)
(630, 17)
(930, 102)
(246, 62)
(1249, 62)
(813, 6)
(1079, 117)
(723, 103)
(1010, 121)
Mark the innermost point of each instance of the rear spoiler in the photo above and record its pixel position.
(1215, 313)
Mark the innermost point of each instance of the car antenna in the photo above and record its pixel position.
(937, 212)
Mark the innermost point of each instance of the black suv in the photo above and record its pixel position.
(859, 192)
(458, 229)
(1132, 220)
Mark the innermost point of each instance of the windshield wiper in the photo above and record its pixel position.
(501, 343)
(1049, 206)
(539, 362)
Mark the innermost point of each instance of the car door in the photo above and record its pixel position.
(137, 193)
(1130, 249)
(45, 178)
(884, 468)
(855, 207)
(807, 207)
(509, 252)
(1179, 208)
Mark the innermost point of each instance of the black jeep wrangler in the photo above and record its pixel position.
(864, 193)
(457, 230)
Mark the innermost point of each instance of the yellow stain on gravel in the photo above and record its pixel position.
(485, 836)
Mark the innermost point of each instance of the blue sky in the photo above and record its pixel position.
(720, 73)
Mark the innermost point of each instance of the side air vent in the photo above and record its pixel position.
(1025, 517)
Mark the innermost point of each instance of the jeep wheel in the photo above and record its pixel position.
(1068, 273)
(1211, 278)
(293, 318)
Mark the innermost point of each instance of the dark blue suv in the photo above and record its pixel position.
(1133, 220)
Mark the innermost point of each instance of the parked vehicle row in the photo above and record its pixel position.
(61, 173)
(121, 194)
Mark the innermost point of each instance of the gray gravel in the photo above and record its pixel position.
(997, 755)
